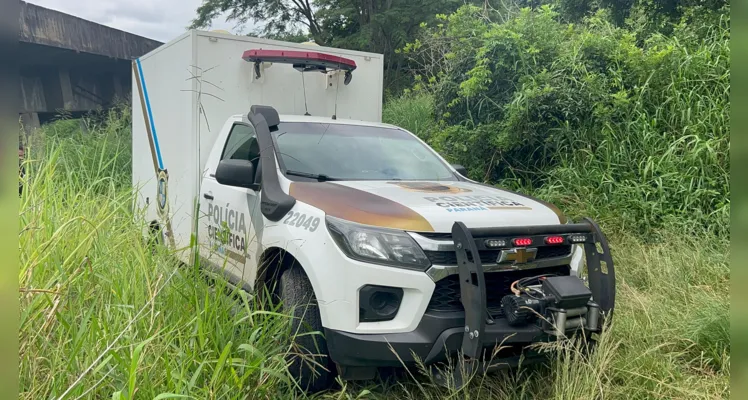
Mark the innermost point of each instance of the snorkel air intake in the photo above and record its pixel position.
(274, 202)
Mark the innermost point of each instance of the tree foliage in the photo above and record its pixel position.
(380, 26)
(593, 112)
(278, 17)
(384, 26)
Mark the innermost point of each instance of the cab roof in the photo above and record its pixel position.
(327, 120)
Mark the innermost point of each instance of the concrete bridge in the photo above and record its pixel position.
(71, 65)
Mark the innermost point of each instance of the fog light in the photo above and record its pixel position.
(379, 303)
(383, 303)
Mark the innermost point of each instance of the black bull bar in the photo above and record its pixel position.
(473, 285)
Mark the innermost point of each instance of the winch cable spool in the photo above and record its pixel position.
(518, 309)
(562, 303)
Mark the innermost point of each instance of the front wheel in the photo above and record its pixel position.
(308, 360)
(155, 236)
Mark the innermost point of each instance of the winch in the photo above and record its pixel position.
(557, 303)
(552, 305)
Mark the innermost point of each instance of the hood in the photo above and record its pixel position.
(425, 206)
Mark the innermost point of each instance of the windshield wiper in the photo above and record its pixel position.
(318, 177)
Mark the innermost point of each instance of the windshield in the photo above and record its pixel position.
(353, 152)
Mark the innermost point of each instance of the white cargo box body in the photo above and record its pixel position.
(184, 91)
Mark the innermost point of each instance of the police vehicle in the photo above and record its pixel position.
(267, 162)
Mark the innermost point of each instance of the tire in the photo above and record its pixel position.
(590, 346)
(155, 237)
(309, 363)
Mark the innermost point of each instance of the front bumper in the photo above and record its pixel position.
(440, 335)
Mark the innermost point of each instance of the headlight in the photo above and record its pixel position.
(377, 245)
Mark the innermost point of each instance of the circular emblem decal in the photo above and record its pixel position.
(430, 187)
(163, 190)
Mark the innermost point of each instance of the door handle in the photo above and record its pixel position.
(208, 196)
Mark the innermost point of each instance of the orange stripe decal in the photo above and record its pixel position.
(359, 206)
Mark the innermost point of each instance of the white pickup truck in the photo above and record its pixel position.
(363, 231)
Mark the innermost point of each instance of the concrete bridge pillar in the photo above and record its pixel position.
(30, 122)
(68, 99)
(118, 92)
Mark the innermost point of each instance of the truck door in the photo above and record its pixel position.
(226, 230)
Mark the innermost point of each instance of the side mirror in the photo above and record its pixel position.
(240, 173)
(460, 169)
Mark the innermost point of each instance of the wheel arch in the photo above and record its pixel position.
(272, 263)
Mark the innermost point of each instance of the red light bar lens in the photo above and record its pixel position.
(554, 240)
(522, 241)
(299, 57)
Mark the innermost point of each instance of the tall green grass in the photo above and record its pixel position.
(413, 112)
(104, 315)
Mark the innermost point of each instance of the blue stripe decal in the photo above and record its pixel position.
(150, 115)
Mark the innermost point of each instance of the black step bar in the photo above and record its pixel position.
(601, 275)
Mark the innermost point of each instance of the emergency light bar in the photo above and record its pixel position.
(301, 60)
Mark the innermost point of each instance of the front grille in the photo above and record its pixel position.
(436, 235)
(490, 256)
(446, 295)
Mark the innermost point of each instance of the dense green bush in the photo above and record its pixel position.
(590, 115)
